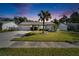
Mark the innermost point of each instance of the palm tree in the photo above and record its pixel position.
(44, 16)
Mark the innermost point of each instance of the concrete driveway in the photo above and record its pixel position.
(7, 36)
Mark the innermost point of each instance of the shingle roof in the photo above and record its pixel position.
(35, 23)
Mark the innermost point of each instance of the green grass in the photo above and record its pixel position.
(39, 51)
(50, 36)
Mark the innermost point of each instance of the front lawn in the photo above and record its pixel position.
(50, 36)
(39, 52)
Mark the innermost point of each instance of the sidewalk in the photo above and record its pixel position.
(25, 44)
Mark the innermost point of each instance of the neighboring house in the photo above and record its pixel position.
(9, 26)
(28, 25)
(62, 27)
(69, 27)
(73, 26)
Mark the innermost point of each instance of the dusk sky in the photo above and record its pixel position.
(31, 10)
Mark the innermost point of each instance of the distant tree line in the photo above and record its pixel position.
(44, 16)
(6, 19)
(16, 19)
(74, 18)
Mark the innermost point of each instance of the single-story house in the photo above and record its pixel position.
(49, 26)
(9, 26)
(69, 26)
(73, 26)
(62, 27)
(27, 25)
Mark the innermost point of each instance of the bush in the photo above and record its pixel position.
(29, 34)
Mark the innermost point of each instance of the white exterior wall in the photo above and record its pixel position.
(8, 26)
(24, 28)
(63, 27)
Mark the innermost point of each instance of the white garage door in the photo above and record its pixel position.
(24, 28)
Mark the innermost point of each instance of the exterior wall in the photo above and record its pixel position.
(50, 28)
(28, 28)
(28, 25)
(9, 26)
(63, 27)
(24, 28)
(73, 26)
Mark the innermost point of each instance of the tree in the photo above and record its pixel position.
(44, 16)
(63, 19)
(56, 21)
(18, 20)
(74, 18)
(25, 19)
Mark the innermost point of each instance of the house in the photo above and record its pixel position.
(62, 27)
(69, 26)
(27, 25)
(9, 26)
(73, 26)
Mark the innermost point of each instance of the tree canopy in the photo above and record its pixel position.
(18, 20)
(74, 18)
(63, 19)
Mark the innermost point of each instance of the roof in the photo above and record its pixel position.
(35, 23)
(10, 24)
(73, 23)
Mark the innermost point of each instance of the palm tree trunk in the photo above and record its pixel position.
(43, 26)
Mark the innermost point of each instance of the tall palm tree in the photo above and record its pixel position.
(44, 16)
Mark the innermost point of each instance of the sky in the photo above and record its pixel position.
(31, 10)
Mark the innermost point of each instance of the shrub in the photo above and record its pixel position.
(29, 34)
